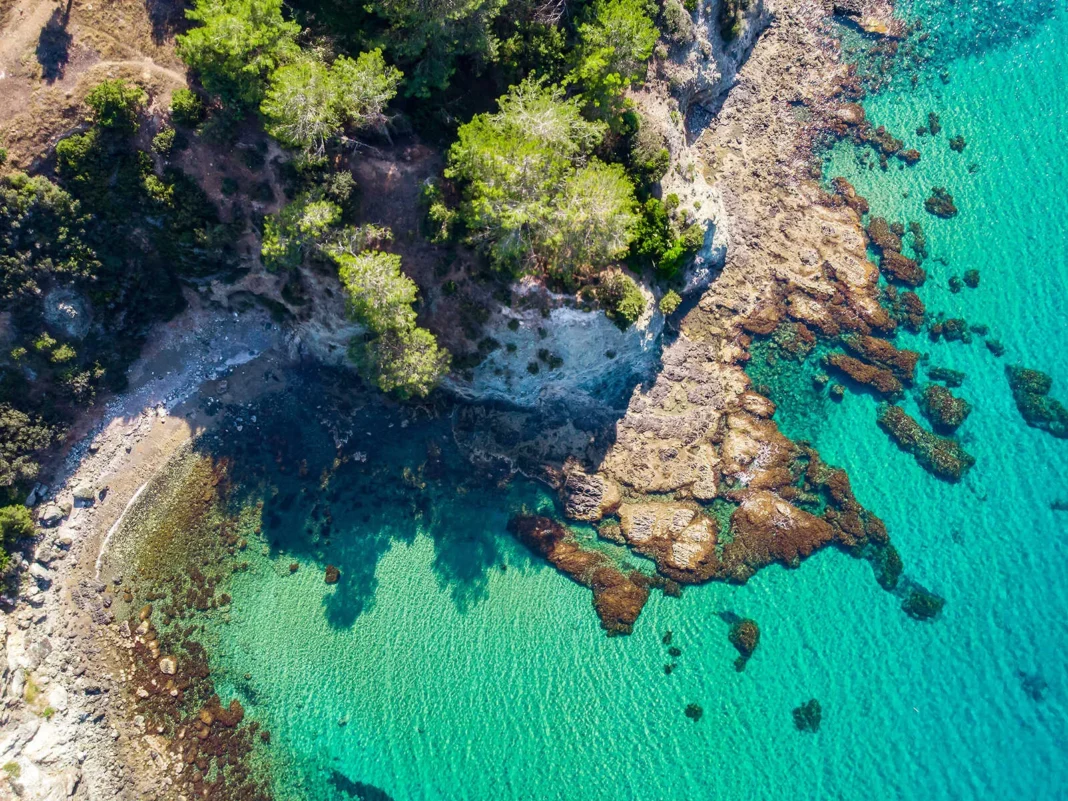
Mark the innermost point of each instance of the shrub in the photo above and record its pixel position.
(620, 297)
(116, 105)
(15, 523)
(186, 108)
(649, 157)
(670, 302)
(163, 142)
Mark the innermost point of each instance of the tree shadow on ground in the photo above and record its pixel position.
(167, 18)
(53, 45)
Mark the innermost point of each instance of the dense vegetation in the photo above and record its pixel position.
(550, 170)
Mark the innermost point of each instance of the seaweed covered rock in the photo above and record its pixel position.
(881, 235)
(768, 529)
(845, 190)
(901, 268)
(808, 716)
(332, 575)
(945, 411)
(1030, 389)
(940, 203)
(878, 378)
(921, 604)
(971, 279)
(694, 712)
(940, 456)
(745, 637)
(888, 567)
(618, 596)
(902, 363)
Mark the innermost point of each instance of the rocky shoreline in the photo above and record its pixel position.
(697, 476)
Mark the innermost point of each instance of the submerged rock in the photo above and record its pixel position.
(971, 279)
(940, 203)
(1030, 389)
(808, 716)
(694, 712)
(332, 575)
(848, 194)
(745, 637)
(940, 456)
(878, 378)
(881, 235)
(920, 604)
(902, 268)
(951, 378)
(945, 411)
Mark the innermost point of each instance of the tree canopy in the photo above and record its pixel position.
(430, 35)
(531, 197)
(237, 45)
(308, 103)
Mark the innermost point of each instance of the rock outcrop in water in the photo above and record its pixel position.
(745, 637)
(1030, 389)
(940, 456)
(618, 596)
(808, 716)
(945, 411)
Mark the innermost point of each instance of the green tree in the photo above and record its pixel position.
(406, 362)
(530, 197)
(593, 219)
(308, 103)
(380, 296)
(116, 105)
(614, 45)
(431, 35)
(21, 438)
(237, 45)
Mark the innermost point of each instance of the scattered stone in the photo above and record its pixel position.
(145, 613)
(940, 203)
(668, 668)
(910, 156)
(745, 637)
(837, 392)
(1030, 389)
(168, 665)
(674, 651)
(957, 144)
(51, 516)
(808, 716)
(955, 284)
(940, 456)
(85, 493)
(995, 347)
(934, 125)
(1033, 685)
(694, 712)
(666, 639)
(332, 574)
(921, 604)
(971, 279)
(902, 268)
(945, 411)
(294, 567)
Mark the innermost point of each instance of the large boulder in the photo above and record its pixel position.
(589, 497)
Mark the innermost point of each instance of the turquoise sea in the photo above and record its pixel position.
(449, 664)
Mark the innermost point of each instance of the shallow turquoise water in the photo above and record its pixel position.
(448, 664)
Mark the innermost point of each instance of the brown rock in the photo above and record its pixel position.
(902, 268)
(618, 597)
(332, 574)
(881, 236)
(902, 363)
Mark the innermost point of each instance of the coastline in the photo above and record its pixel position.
(761, 158)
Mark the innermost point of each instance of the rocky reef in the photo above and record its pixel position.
(940, 203)
(922, 604)
(1030, 389)
(940, 456)
(618, 596)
